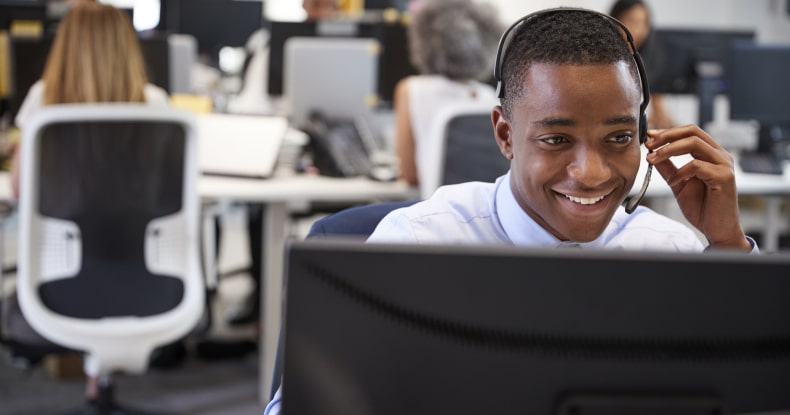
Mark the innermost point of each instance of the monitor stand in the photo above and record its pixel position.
(708, 86)
(774, 138)
(773, 147)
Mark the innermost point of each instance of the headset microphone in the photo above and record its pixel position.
(632, 202)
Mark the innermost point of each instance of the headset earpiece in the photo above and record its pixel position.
(642, 128)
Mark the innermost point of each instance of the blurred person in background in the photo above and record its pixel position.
(453, 44)
(95, 58)
(635, 15)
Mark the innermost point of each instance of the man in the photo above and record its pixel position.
(569, 120)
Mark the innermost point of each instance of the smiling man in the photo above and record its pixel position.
(571, 122)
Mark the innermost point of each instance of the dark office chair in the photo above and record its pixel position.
(109, 258)
(471, 154)
(464, 138)
(358, 221)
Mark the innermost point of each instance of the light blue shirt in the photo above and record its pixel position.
(483, 213)
(273, 408)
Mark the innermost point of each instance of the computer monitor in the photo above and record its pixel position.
(214, 23)
(672, 57)
(394, 62)
(394, 329)
(17, 10)
(759, 90)
(399, 5)
(695, 62)
(29, 56)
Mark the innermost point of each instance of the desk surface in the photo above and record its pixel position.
(301, 188)
(295, 188)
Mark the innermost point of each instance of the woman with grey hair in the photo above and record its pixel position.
(453, 45)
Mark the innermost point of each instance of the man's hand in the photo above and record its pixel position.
(704, 187)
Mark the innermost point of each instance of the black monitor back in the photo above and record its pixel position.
(672, 57)
(213, 23)
(15, 10)
(468, 330)
(759, 83)
(760, 91)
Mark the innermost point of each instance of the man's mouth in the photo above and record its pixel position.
(585, 200)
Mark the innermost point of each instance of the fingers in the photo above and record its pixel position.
(716, 177)
(662, 137)
(711, 163)
(690, 140)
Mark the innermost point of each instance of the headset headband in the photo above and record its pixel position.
(505, 40)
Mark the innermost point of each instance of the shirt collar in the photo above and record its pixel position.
(524, 231)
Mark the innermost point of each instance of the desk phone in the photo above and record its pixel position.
(342, 147)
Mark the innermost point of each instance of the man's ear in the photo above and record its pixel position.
(502, 132)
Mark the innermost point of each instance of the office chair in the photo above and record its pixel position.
(109, 258)
(357, 221)
(463, 137)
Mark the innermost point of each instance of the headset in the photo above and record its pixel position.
(504, 42)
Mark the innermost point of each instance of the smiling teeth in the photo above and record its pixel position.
(585, 200)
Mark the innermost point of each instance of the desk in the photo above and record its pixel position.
(277, 195)
(772, 188)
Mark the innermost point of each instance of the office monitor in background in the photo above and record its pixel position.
(394, 62)
(393, 329)
(691, 62)
(29, 56)
(759, 90)
(22, 10)
(214, 23)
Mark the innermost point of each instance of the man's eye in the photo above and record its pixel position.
(622, 139)
(554, 140)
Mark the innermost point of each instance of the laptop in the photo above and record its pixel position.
(333, 76)
(239, 145)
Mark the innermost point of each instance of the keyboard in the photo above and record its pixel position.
(761, 163)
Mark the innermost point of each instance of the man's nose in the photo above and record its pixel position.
(590, 167)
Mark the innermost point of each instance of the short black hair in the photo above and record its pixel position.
(574, 37)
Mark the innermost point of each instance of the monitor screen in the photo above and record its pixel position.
(429, 329)
(394, 62)
(759, 91)
(29, 56)
(672, 57)
(759, 87)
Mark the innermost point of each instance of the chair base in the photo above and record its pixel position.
(91, 408)
(105, 404)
